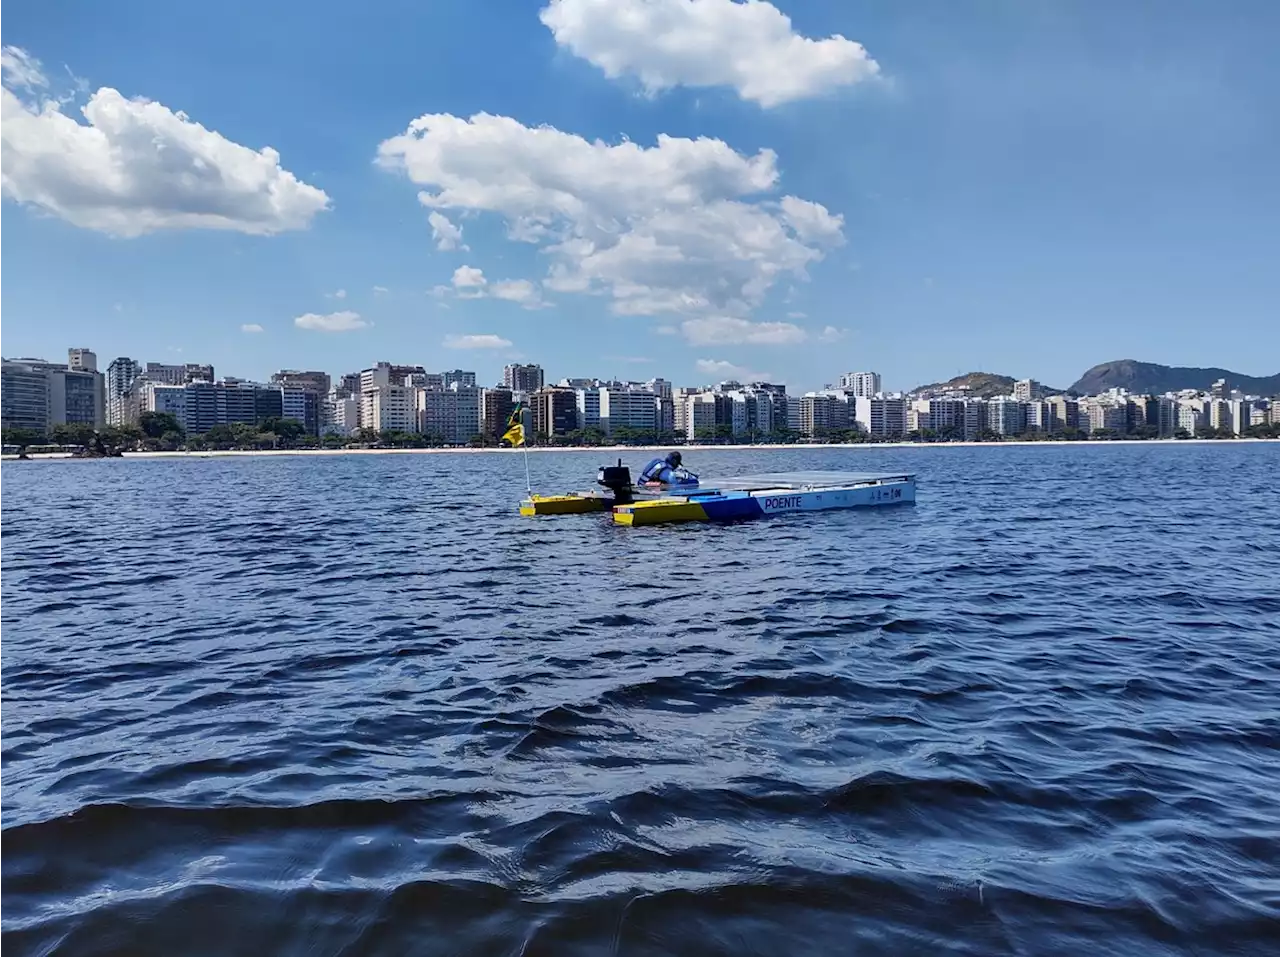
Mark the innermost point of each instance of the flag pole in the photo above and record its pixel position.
(528, 482)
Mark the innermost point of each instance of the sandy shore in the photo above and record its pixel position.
(625, 449)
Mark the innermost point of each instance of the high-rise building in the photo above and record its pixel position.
(659, 387)
(522, 378)
(302, 405)
(1167, 416)
(451, 415)
(465, 380)
(389, 408)
(159, 397)
(341, 413)
(24, 396)
(948, 417)
(627, 409)
(178, 374)
(825, 412)
(62, 394)
(1241, 415)
(861, 384)
(700, 416)
(1219, 390)
(317, 382)
(495, 410)
(1007, 416)
(1064, 413)
(555, 410)
(880, 416)
(77, 396)
(377, 375)
(587, 399)
(1191, 415)
(348, 385)
(1028, 390)
(83, 360)
(120, 375)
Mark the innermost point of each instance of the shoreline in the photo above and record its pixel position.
(234, 453)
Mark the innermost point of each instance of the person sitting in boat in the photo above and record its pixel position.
(667, 471)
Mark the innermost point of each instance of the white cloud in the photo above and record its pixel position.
(469, 277)
(333, 322)
(750, 47)
(630, 360)
(251, 327)
(481, 341)
(685, 226)
(832, 334)
(469, 282)
(20, 69)
(444, 232)
(521, 291)
(721, 370)
(725, 330)
(811, 221)
(797, 315)
(339, 294)
(380, 290)
(138, 167)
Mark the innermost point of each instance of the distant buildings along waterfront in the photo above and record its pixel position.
(37, 395)
(394, 402)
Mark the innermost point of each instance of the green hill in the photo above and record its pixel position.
(1151, 377)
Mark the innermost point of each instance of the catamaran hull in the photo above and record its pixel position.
(736, 499)
(733, 506)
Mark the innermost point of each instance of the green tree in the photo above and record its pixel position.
(289, 431)
(73, 433)
(245, 435)
(155, 424)
(21, 437)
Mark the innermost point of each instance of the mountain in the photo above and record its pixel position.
(986, 385)
(1150, 377)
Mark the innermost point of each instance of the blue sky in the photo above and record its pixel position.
(1026, 187)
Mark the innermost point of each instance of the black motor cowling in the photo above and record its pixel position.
(616, 478)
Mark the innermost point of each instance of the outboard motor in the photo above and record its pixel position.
(617, 479)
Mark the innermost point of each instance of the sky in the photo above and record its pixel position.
(693, 189)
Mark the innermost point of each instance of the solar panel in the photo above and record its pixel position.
(801, 480)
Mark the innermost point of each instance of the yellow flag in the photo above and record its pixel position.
(514, 435)
(515, 427)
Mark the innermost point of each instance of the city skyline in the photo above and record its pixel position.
(77, 403)
(940, 190)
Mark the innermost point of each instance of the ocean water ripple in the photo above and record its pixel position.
(357, 705)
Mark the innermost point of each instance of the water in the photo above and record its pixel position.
(357, 705)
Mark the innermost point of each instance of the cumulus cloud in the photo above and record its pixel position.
(520, 291)
(444, 232)
(333, 322)
(20, 69)
(750, 47)
(469, 277)
(380, 290)
(469, 282)
(479, 341)
(725, 330)
(339, 294)
(251, 327)
(137, 167)
(684, 226)
(832, 334)
(720, 370)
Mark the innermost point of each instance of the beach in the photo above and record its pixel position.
(624, 449)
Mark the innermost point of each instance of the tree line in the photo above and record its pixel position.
(162, 431)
